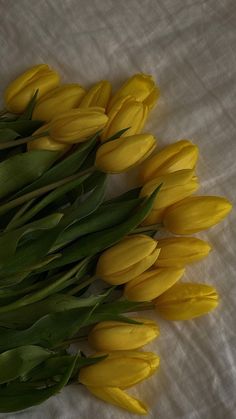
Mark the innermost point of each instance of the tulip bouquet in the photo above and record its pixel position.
(60, 234)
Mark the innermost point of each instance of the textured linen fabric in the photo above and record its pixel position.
(189, 47)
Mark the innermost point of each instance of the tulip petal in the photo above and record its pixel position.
(141, 87)
(21, 80)
(114, 335)
(128, 274)
(119, 259)
(185, 301)
(125, 113)
(152, 99)
(175, 187)
(120, 398)
(21, 90)
(98, 95)
(181, 155)
(152, 283)
(196, 213)
(47, 143)
(179, 251)
(76, 125)
(57, 101)
(122, 154)
(120, 369)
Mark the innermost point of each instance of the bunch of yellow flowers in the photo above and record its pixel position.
(146, 270)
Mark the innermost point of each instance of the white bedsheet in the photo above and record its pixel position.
(189, 46)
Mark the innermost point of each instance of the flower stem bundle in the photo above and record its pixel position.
(73, 262)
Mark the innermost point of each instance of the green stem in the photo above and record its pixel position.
(152, 227)
(45, 292)
(19, 214)
(144, 307)
(71, 341)
(41, 191)
(83, 285)
(15, 143)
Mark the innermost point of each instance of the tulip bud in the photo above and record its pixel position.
(119, 155)
(58, 100)
(178, 156)
(46, 142)
(175, 186)
(77, 125)
(184, 301)
(196, 213)
(152, 283)
(141, 87)
(20, 91)
(120, 369)
(127, 259)
(98, 95)
(120, 398)
(179, 251)
(118, 336)
(125, 113)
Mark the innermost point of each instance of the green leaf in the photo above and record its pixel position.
(131, 194)
(48, 199)
(60, 283)
(96, 242)
(10, 239)
(107, 215)
(32, 255)
(19, 361)
(90, 183)
(62, 169)
(117, 134)
(22, 169)
(19, 396)
(52, 329)
(81, 210)
(7, 134)
(116, 308)
(55, 366)
(48, 331)
(30, 108)
(8, 118)
(9, 281)
(24, 317)
(22, 127)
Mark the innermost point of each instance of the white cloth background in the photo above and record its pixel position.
(189, 47)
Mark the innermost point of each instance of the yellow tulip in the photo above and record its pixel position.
(151, 284)
(125, 113)
(117, 336)
(175, 186)
(21, 90)
(77, 125)
(127, 259)
(178, 156)
(118, 397)
(179, 251)
(184, 301)
(119, 155)
(58, 100)
(46, 142)
(141, 87)
(196, 213)
(121, 369)
(98, 95)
